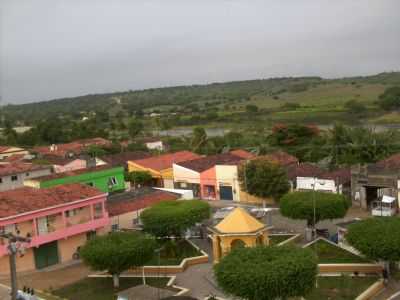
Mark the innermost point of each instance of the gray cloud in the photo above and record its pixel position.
(59, 48)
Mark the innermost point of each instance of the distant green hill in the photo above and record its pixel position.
(317, 99)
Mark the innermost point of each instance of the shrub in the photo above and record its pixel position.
(263, 273)
(377, 238)
(300, 205)
(172, 218)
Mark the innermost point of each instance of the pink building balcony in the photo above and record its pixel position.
(63, 233)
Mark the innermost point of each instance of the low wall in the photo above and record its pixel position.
(372, 291)
(293, 239)
(186, 262)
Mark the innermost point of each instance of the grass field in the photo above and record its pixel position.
(340, 288)
(329, 254)
(173, 252)
(279, 238)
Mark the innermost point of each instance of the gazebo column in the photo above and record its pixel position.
(216, 248)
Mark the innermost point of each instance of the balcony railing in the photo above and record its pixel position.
(61, 233)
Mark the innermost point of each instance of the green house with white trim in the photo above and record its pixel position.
(105, 178)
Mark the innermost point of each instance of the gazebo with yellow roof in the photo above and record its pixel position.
(237, 229)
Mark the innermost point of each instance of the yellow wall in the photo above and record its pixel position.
(222, 243)
(67, 247)
(24, 263)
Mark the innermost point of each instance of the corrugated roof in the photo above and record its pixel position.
(239, 221)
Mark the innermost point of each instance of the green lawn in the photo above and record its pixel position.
(329, 254)
(102, 288)
(173, 252)
(340, 287)
(279, 238)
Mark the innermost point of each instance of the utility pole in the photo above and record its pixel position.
(15, 245)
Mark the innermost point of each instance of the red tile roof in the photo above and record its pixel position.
(242, 153)
(15, 157)
(75, 147)
(165, 161)
(27, 199)
(4, 148)
(122, 205)
(121, 159)
(303, 170)
(11, 168)
(205, 163)
(282, 158)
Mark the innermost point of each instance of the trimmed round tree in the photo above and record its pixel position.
(264, 273)
(264, 179)
(118, 252)
(377, 238)
(172, 218)
(300, 206)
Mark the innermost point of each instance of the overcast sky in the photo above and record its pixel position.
(60, 48)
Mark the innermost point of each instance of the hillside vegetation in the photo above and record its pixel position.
(230, 104)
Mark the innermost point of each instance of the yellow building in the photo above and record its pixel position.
(237, 229)
(160, 167)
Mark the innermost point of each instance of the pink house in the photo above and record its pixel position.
(212, 177)
(58, 221)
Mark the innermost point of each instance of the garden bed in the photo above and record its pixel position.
(173, 252)
(331, 254)
(101, 288)
(340, 287)
(275, 239)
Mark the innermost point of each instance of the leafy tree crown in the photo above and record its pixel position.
(266, 273)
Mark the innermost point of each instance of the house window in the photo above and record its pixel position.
(98, 210)
(14, 178)
(112, 181)
(1, 180)
(114, 227)
(27, 174)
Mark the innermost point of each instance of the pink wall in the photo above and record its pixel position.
(208, 177)
(65, 231)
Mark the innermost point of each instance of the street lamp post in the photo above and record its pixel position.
(15, 245)
(314, 232)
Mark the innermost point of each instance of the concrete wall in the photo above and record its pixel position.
(8, 184)
(24, 263)
(209, 177)
(125, 221)
(67, 247)
(307, 183)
